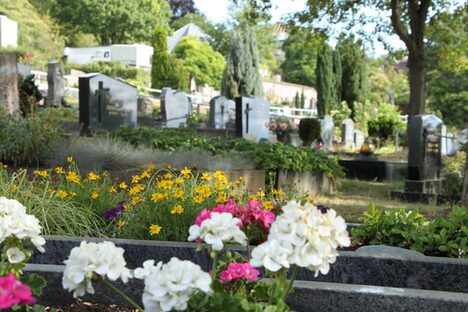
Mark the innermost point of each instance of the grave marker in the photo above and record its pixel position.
(424, 154)
(252, 117)
(359, 138)
(56, 91)
(220, 112)
(106, 103)
(9, 96)
(327, 130)
(175, 107)
(347, 131)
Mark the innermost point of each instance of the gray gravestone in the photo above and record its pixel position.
(175, 107)
(9, 96)
(56, 91)
(24, 70)
(327, 131)
(347, 131)
(252, 117)
(220, 112)
(106, 103)
(359, 138)
(424, 154)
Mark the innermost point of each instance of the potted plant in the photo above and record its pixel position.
(281, 127)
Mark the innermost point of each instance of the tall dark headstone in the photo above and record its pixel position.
(9, 96)
(175, 107)
(220, 112)
(424, 154)
(252, 117)
(106, 103)
(56, 90)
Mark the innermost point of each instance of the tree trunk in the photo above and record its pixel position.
(465, 182)
(417, 80)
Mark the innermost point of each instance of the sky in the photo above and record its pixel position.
(218, 11)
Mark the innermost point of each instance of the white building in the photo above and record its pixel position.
(138, 55)
(8, 32)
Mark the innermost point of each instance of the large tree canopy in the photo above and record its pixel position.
(201, 61)
(112, 21)
(407, 19)
(180, 8)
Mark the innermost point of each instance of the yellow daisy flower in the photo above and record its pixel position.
(198, 199)
(154, 229)
(123, 185)
(121, 223)
(62, 194)
(94, 195)
(177, 209)
(59, 170)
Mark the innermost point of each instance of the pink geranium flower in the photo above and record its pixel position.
(272, 127)
(238, 271)
(14, 292)
(284, 126)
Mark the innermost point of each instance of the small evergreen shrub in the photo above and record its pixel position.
(309, 130)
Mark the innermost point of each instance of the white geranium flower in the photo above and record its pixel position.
(15, 255)
(220, 228)
(103, 259)
(170, 286)
(303, 235)
(15, 221)
(147, 269)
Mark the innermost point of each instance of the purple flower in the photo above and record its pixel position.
(322, 208)
(113, 212)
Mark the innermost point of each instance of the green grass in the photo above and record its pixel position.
(354, 197)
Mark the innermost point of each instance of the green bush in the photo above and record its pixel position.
(409, 229)
(386, 123)
(265, 155)
(24, 141)
(113, 69)
(309, 130)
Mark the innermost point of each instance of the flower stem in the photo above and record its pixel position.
(291, 281)
(121, 294)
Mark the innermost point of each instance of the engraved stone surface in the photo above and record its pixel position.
(222, 111)
(327, 128)
(252, 118)
(175, 107)
(347, 131)
(106, 103)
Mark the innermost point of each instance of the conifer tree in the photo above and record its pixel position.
(297, 103)
(302, 103)
(241, 74)
(325, 80)
(354, 77)
(337, 74)
(166, 70)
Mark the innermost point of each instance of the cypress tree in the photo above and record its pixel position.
(354, 72)
(338, 73)
(302, 103)
(325, 80)
(166, 70)
(297, 103)
(241, 74)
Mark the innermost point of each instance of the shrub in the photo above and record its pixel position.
(386, 123)
(409, 229)
(309, 130)
(454, 172)
(29, 94)
(24, 141)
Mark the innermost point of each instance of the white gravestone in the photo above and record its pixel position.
(175, 107)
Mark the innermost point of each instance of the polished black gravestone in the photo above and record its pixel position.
(106, 103)
(424, 154)
(252, 118)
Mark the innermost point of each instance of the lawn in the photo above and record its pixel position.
(354, 196)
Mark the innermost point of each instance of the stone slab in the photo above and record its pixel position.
(312, 183)
(370, 169)
(432, 273)
(307, 296)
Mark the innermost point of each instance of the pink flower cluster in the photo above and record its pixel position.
(14, 292)
(248, 215)
(237, 271)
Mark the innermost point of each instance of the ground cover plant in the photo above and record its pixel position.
(441, 236)
(265, 155)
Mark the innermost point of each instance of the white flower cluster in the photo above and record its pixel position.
(169, 286)
(104, 259)
(218, 229)
(302, 235)
(15, 221)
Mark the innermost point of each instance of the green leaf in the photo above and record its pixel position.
(36, 282)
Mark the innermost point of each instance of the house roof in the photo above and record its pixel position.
(188, 30)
